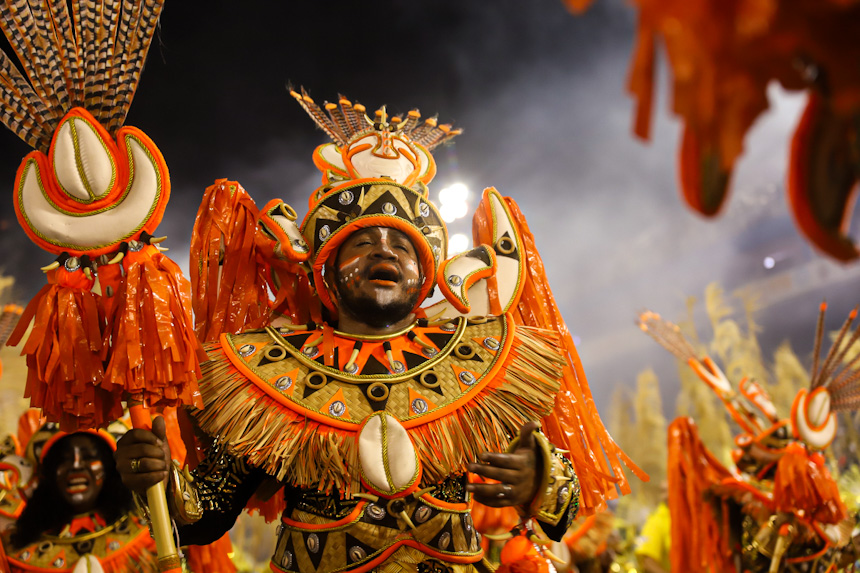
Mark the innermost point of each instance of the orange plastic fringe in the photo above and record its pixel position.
(802, 482)
(212, 558)
(271, 508)
(229, 286)
(136, 555)
(178, 449)
(28, 424)
(63, 350)
(574, 423)
(299, 451)
(698, 542)
(110, 277)
(155, 354)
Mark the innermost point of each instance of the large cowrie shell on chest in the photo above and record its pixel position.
(386, 454)
(87, 564)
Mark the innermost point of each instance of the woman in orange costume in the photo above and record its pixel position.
(80, 516)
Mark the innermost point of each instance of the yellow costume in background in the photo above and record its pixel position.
(655, 540)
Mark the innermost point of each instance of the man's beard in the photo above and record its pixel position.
(374, 313)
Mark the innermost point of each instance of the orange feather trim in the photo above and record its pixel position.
(229, 284)
(698, 541)
(63, 350)
(155, 354)
(574, 424)
(803, 483)
(303, 452)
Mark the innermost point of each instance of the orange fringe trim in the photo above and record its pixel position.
(137, 555)
(802, 482)
(212, 558)
(229, 285)
(574, 423)
(698, 543)
(152, 319)
(64, 362)
(305, 453)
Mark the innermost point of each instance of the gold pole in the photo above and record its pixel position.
(162, 526)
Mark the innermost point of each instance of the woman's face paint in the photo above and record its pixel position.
(81, 473)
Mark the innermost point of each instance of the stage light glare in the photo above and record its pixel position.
(457, 243)
(457, 192)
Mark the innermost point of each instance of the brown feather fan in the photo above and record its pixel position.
(97, 67)
(839, 375)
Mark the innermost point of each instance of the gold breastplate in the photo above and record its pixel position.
(317, 408)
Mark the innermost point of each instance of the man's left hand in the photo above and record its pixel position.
(518, 473)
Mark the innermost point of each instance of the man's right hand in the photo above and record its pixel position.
(147, 453)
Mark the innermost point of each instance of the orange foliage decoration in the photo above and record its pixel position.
(723, 55)
(224, 253)
(574, 424)
(802, 483)
(155, 355)
(64, 353)
(698, 544)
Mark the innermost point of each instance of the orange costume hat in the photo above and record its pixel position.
(375, 174)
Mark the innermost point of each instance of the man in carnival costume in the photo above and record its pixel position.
(777, 508)
(369, 410)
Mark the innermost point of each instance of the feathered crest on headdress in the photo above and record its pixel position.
(90, 56)
(344, 122)
(834, 383)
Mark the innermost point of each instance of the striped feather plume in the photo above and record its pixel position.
(344, 122)
(86, 53)
(838, 372)
(667, 334)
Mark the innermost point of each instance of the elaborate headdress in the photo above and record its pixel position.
(834, 386)
(791, 480)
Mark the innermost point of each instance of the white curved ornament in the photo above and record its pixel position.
(509, 269)
(280, 222)
(82, 164)
(386, 455)
(813, 420)
(91, 231)
(711, 375)
(400, 166)
(15, 471)
(509, 266)
(331, 154)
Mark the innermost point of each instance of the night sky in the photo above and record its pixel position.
(540, 95)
